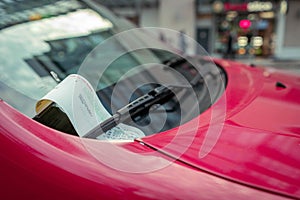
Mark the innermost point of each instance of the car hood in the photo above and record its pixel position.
(251, 135)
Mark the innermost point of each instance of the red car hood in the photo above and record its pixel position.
(251, 135)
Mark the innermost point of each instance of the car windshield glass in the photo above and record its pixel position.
(38, 53)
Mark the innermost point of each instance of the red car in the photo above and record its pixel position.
(138, 120)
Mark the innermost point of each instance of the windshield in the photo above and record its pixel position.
(38, 53)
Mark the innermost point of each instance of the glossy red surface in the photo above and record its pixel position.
(259, 142)
(255, 157)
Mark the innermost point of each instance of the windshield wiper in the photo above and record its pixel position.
(175, 61)
(157, 96)
(140, 106)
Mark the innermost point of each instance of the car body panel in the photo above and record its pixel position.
(245, 146)
(259, 142)
(41, 163)
(259, 158)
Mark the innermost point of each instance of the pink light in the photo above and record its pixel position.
(245, 23)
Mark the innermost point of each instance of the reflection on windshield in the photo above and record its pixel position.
(30, 60)
(120, 70)
(14, 12)
(66, 55)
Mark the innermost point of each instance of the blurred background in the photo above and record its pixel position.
(258, 32)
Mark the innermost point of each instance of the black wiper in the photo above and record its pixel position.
(175, 61)
(141, 105)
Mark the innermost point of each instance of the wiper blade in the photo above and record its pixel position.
(158, 95)
(174, 61)
(140, 106)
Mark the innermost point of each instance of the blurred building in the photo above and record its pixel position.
(170, 14)
(288, 30)
(130, 9)
(224, 28)
(237, 28)
(254, 28)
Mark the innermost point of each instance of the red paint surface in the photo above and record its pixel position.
(259, 144)
(259, 147)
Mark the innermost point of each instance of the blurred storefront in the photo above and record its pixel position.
(239, 28)
(224, 28)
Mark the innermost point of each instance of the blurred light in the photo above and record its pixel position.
(225, 25)
(245, 23)
(258, 51)
(252, 51)
(257, 41)
(262, 24)
(257, 6)
(283, 7)
(267, 15)
(231, 15)
(241, 51)
(252, 17)
(218, 6)
(242, 41)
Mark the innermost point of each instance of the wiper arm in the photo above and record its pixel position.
(159, 95)
(174, 61)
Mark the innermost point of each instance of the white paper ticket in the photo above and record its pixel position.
(77, 98)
